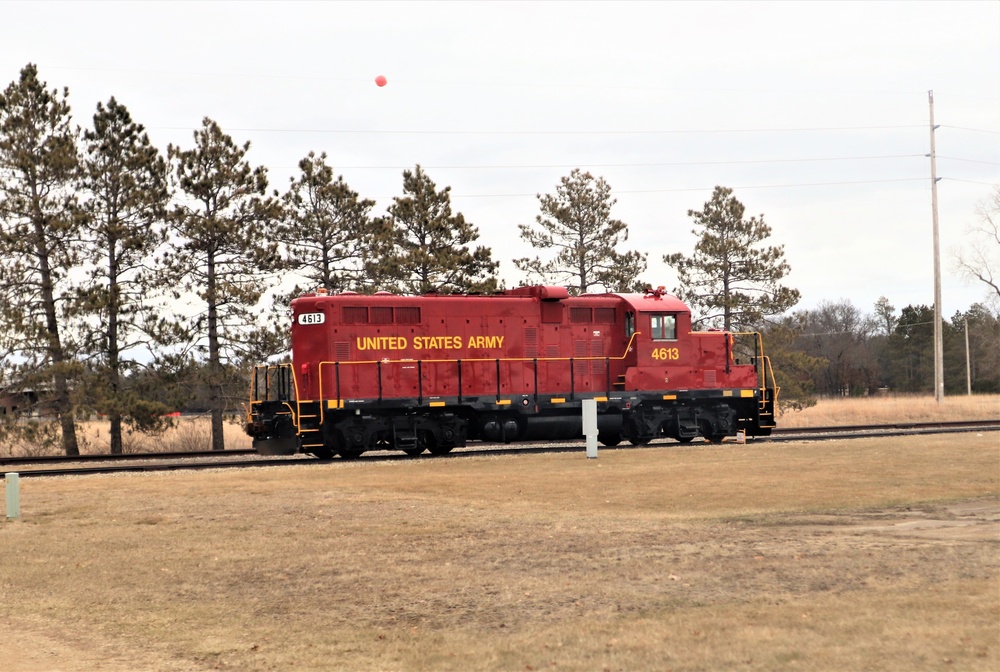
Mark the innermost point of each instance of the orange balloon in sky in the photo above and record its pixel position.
(381, 80)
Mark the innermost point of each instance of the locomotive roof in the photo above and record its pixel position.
(648, 303)
(651, 301)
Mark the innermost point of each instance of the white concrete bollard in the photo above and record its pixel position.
(590, 426)
(12, 484)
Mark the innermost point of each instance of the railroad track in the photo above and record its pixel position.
(899, 427)
(60, 465)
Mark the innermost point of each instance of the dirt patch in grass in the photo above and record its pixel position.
(868, 554)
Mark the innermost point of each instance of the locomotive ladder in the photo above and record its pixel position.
(768, 402)
(285, 391)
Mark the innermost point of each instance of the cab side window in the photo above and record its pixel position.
(663, 327)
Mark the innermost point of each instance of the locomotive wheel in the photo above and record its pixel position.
(350, 453)
(633, 434)
(708, 431)
(440, 450)
(610, 439)
(425, 441)
(685, 439)
(331, 440)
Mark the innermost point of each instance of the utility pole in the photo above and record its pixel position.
(938, 339)
(968, 361)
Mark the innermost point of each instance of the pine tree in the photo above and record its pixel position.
(577, 223)
(127, 179)
(39, 229)
(795, 371)
(730, 276)
(427, 249)
(327, 230)
(223, 250)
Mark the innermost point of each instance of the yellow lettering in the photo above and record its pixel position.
(666, 353)
(434, 343)
(485, 342)
(384, 342)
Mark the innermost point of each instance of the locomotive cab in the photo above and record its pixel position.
(704, 390)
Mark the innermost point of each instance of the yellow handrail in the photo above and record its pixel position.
(628, 348)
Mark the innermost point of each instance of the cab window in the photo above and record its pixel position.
(663, 327)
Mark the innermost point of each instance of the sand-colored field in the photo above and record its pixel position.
(879, 554)
(893, 408)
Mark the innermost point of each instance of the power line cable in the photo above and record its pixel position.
(966, 128)
(958, 179)
(687, 189)
(954, 158)
(341, 131)
(639, 165)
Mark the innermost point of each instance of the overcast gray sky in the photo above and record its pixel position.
(815, 113)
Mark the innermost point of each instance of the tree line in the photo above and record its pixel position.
(136, 283)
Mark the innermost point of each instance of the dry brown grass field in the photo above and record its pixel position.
(893, 408)
(873, 554)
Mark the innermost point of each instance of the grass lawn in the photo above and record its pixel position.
(880, 554)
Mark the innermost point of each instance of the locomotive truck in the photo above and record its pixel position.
(434, 372)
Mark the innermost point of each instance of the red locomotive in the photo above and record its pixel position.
(432, 372)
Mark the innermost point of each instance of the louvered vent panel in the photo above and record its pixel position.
(604, 315)
(355, 315)
(580, 366)
(597, 350)
(381, 315)
(408, 315)
(530, 342)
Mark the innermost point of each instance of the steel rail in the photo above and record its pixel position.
(42, 459)
(149, 462)
(911, 426)
(161, 466)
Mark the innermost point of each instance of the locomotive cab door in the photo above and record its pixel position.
(623, 368)
(655, 350)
